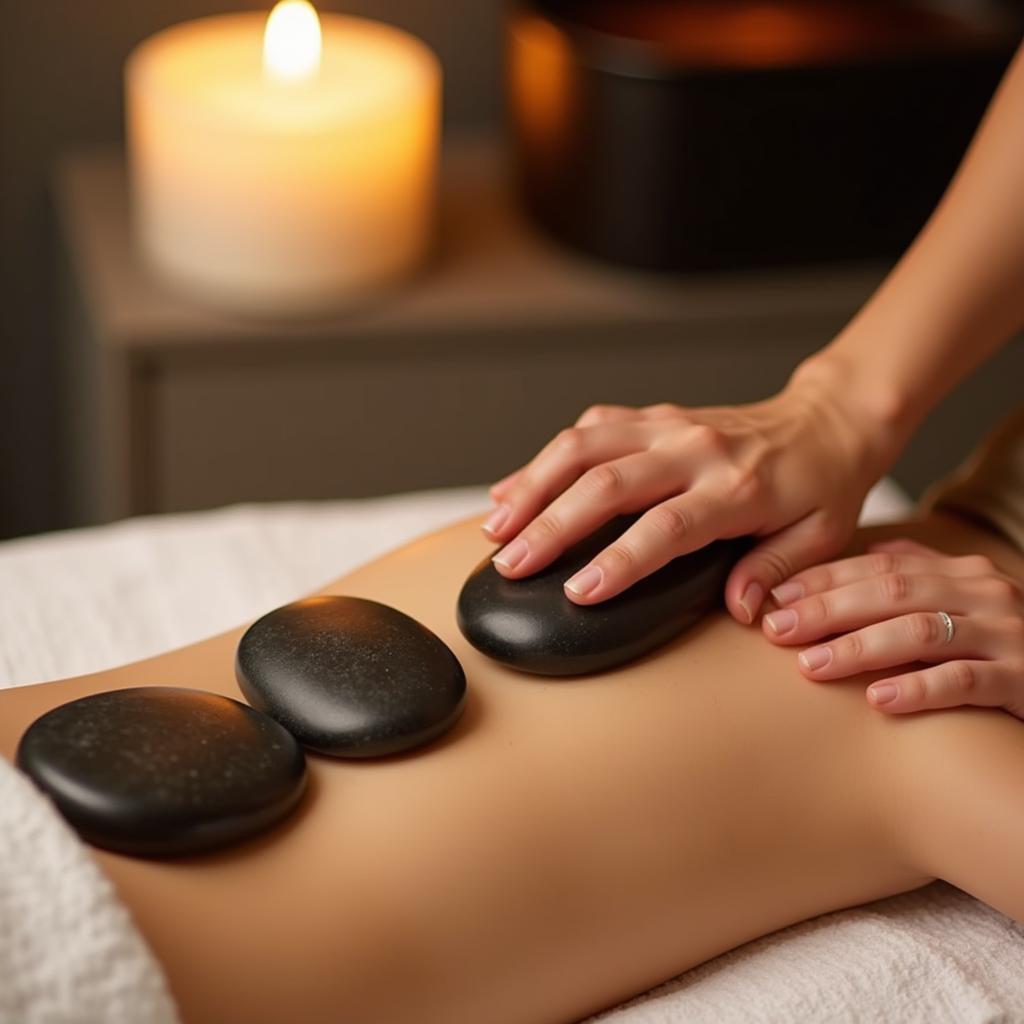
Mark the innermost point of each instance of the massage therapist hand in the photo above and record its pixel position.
(793, 469)
(884, 606)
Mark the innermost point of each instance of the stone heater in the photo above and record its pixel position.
(691, 134)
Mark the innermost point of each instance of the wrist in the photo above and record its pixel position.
(873, 413)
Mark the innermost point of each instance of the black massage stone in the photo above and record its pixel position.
(530, 625)
(162, 771)
(350, 677)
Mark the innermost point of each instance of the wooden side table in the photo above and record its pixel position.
(455, 378)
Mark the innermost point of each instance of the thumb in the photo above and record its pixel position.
(808, 541)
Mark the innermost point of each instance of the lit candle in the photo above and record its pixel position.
(281, 165)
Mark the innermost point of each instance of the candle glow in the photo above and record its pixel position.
(292, 42)
(265, 179)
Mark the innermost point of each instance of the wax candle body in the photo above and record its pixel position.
(282, 196)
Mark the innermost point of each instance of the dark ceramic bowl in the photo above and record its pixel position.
(700, 135)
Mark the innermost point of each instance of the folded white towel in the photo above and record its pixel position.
(933, 956)
(69, 952)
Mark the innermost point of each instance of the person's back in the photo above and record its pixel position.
(571, 842)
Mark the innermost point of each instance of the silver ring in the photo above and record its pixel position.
(950, 627)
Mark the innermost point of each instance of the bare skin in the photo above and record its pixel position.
(571, 842)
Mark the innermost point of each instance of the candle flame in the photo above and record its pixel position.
(291, 42)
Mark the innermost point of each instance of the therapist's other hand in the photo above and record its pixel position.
(793, 470)
(885, 607)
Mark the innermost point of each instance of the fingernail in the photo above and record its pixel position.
(815, 657)
(786, 593)
(883, 693)
(497, 519)
(511, 555)
(752, 599)
(781, 622)
(585, 580)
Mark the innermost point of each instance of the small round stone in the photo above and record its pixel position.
(529, 624)
(351, 677)
(164, 771)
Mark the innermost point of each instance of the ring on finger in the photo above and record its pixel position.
(947, 621)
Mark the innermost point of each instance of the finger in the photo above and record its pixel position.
(674, 527)
(597, 415)
(662, 410)
(623, 485)
(811, 539)
(874, 600)
(949, 685)
(594, 416)
(561, 462)
(906, 546)
(820, 578)
(921, 636)
(1001, 585)
(496, 490)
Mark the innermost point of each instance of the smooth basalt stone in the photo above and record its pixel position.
(351, 677)
(162, 771)
(530, 625)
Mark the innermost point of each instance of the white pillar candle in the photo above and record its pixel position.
(279, 174)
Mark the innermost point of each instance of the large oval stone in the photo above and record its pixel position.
(351, 677)
(161, 771)
(530, 625)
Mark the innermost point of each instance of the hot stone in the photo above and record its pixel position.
(529, 624)
(163, 771)
(351, 677)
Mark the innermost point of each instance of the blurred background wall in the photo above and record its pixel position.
(61, 90)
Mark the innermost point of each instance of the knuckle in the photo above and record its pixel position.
(522, 485)
(569, 442)
(818, 579)
(777, 565)
(1001, 590)
(850, 647)
(1013, 627)
(707, 437)
(822, 534)
(619, 559)
(896, 586)
(882, 563)
(603, 483)
(923, 629)
(670, 522)
(977, 565)
(664, 409)
(815, 609)
(915, 688)
(595, 414)
(545, 529)
(961, 676)
(744, 487)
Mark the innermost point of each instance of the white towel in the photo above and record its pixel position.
(933, 956)
(69, 953)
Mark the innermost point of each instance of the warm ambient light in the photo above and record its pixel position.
(291, 43)
(264, 192)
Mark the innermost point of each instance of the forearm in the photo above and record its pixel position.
(954, 298)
